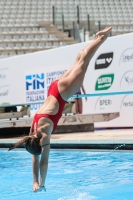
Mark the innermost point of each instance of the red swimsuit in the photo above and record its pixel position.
(53, 90)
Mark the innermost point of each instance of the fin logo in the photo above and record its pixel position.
(35, 82)
(104, 60)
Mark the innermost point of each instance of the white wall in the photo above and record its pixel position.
(117, 58)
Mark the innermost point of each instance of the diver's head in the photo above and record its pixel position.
(32, 145)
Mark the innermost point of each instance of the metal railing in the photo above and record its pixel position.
(90, 24)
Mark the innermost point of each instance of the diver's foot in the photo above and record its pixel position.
(104, 33)
(35, 187)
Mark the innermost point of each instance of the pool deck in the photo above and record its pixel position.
(100, 139)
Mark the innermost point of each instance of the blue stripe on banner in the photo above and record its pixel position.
(101, 94)
(74, 96)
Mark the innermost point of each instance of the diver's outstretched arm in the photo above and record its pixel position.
(35, 169)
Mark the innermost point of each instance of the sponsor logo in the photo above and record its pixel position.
(2, 76)
(35, 87)
(104, 82)
(127, 58)
(127, 103)
(129, 80)
(104, 60)
(127, 55)
(5, 93)
(103, 103)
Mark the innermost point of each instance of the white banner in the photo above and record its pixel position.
(26, 78)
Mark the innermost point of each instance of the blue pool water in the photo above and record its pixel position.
(72, 175)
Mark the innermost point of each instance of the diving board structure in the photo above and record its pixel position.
(82, 123)
(67, 124)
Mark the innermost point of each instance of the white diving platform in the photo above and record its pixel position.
(67, 123)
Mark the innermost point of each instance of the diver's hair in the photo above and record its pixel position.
(32, 145)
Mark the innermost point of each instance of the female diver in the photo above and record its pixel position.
(48, 115)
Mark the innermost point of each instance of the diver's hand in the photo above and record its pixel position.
(42, 188)
(35, 187)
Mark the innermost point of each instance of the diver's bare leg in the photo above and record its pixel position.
(72, 80)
